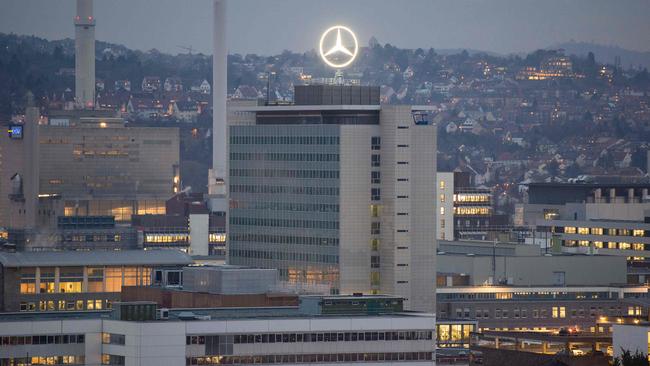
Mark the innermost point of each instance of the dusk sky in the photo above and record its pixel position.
(269, 26)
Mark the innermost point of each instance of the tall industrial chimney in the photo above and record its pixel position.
(218, 176)
(84, 24)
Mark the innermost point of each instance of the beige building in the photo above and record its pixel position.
(103, 168)
(337, 192)
(87, 166)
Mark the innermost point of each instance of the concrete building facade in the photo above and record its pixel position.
(338, 197)
(277, 335)
(445, 197)
(540, 308)
(89, 166)
(78, 280)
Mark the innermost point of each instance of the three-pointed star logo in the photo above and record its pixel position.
(332, 56)
(338, 46)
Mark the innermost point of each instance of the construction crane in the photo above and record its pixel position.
(189, 49)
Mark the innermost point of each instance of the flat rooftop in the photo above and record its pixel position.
(309, 108)
(582, 337)
(93, 258)
(259, 313)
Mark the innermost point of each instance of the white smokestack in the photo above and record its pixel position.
(84, 23)
(217, 186)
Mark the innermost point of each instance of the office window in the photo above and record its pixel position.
(456, 332)
(95, 280)
(558, 312)
(375, 261)
(551, 214)
(583, 230)
(442, 184)
(375, 143)
(638, 232)
(113, 279)
(27, 283)
(442, 210)
(112, 359)
(569, 230)
(70, 281)
(47, 282)
(374, 279)
(442, 197)
(111, 338)
(444, 332)
(596, 231)
(375, 160)
(130, 276)
(375, 177)
(375, 194)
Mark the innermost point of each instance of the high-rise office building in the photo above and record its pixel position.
(337, 192)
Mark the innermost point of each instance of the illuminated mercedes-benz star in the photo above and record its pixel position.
(339, 55)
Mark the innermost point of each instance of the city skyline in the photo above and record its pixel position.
(392, 205)
(440, 24)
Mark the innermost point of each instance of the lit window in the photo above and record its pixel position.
(217, 237)
(583, 230)
(638, 232)
(442, 184)
(596, 231)
(442, 210)
(569, 230)
(374, 210)
(443, 332)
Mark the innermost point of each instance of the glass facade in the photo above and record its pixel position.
(70, 280)
(284, 191)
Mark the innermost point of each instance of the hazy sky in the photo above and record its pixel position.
(269, 26)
